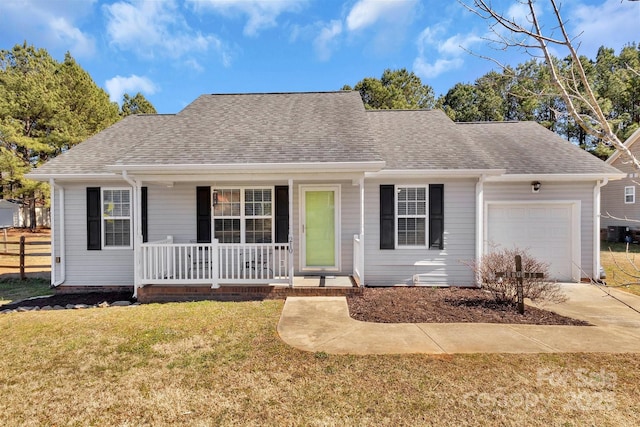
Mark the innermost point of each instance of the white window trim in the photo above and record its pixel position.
(103, 237)
(242, 216)
(426, 217)
(337, 189)
(632, 194)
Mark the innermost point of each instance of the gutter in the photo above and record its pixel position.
(596, 227)
(55, 283)
(137, 234)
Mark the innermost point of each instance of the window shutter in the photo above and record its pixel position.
(203, 212)
(387, 217)
(144, 224)
(94, 219)
(436, 216)
(282, 213)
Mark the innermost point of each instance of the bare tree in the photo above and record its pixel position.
(572, 85)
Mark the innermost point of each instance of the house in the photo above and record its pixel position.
(262, 190)
(620, 209)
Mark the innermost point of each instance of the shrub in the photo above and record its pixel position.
(504, 289)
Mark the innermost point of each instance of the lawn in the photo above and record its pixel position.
(222, 363)
(621, 267)
(13, 289)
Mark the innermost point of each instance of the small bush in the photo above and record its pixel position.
(504, 289)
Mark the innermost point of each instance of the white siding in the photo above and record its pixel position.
(437, 267)
(554, 192)
(91, 268)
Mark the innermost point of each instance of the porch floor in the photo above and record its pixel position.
(302, 286)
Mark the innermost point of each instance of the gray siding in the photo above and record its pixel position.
(570, 191)
(612, 198)
(91, 268)
(438, 267)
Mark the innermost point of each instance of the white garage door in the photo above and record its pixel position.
(543, 229)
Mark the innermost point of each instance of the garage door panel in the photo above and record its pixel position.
(543, 230)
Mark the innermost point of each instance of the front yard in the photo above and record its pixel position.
(222, 363)
(622, 267)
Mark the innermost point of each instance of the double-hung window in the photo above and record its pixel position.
(116, 217)
(243, 215)
(630, 194)
(411, 212)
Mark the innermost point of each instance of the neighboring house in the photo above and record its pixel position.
(301, 184)
(620, 204)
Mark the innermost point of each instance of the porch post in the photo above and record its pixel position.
(290, 266)
(361, 232)
(479, 224)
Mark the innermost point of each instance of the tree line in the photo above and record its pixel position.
(47, 107)
(524, 92)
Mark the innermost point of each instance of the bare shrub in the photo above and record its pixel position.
(505, 289)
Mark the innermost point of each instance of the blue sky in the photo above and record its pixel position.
(174, 50)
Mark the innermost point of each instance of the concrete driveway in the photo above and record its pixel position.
(323, 324)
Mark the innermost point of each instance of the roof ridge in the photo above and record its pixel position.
(279, 93)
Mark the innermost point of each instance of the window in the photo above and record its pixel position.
(243, 215)
(411, 216)
(630, 194)
(116, 217)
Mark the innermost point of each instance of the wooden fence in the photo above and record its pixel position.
(22, 255)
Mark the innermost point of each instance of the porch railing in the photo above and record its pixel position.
(166, 262)
(358, 260)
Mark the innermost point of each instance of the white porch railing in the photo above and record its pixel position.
(358, 258)
(165, 262)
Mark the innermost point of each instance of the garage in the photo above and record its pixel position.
(547, 230)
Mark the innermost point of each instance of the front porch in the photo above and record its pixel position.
(302, 286)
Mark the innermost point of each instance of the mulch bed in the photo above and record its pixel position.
(89, 298)
(382, 305)
(445, 305)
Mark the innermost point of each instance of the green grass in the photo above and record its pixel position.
(622, 268)
(222, 363)
(16, 289)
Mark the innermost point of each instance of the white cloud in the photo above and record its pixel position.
(80, 43)
(423, 69)
(446, 52)
(455, 45)
(366, 13)
(151, 28)
(261, 14)
(325, 42)
(118, 86)
(50, 24)
(611, 23)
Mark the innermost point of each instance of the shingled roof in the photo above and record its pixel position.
(319, 127)
(530, 148)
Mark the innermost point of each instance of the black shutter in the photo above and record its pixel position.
(203, 212)
(94, 219)
(436, 216)
(144, 224)
(282, 213)
(387, 217)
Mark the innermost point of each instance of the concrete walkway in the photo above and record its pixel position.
(323, 324)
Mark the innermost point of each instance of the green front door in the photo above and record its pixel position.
(320, 229)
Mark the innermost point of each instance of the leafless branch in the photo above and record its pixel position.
(574, 89)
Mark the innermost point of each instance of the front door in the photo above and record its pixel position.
(319, 228)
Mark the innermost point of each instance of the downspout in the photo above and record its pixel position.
(596, 226)
(55, 283)
(137, 231)
(479, 225)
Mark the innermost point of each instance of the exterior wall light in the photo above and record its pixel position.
(535, 186)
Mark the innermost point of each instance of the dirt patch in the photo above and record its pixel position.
(444, 305)
(89, 298)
